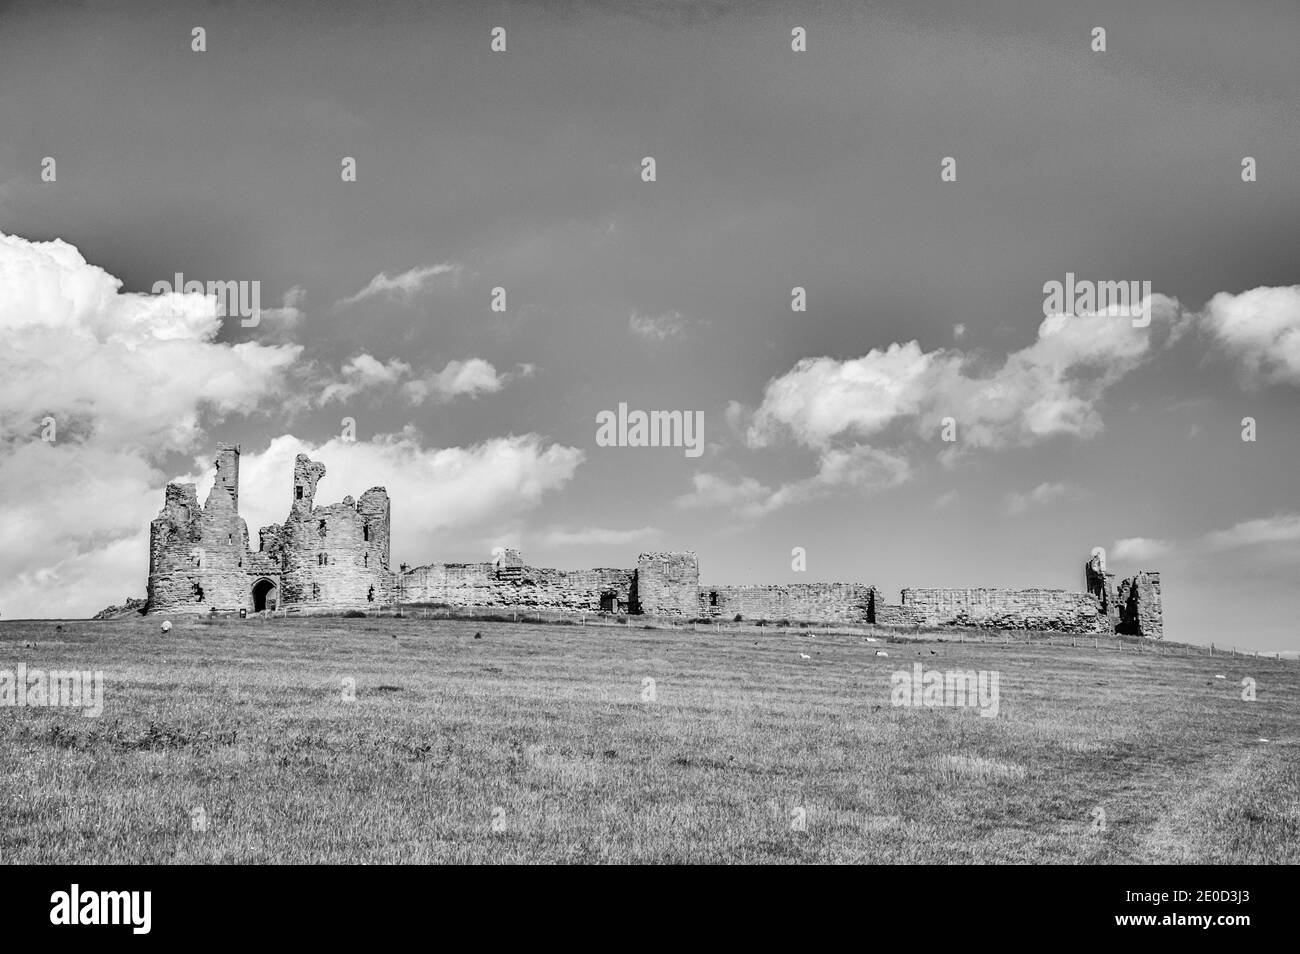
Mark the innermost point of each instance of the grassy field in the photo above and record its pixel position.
(544, 743)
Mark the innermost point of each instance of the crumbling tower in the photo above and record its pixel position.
(1134, 607)
(1141, 610)
(197, 556)
(335, 556)
(1101, 584)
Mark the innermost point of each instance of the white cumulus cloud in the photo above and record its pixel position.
(363, 373)
(107, 365)
(458, 379)
(1260, 330)
(1051, 387)
(126, 379)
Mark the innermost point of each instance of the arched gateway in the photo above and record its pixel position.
(265, 595)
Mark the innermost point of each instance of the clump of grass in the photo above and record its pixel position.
(973, 766)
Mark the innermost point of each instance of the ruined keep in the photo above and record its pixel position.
(336, 558)
(328, 558)
(198, 556)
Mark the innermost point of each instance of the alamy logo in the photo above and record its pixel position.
(651, 429)
(1103, 299)
(103, 907)
(955, 688)
(234, 299)
(64, 688)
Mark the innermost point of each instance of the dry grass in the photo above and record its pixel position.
(544, 730)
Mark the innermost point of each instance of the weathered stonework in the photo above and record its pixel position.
(1140, 610)
(1100, 584)
(667, 584)
(336, 557)
(811, 602)
(517, 586)
(197, 555)
(332, 557)
(1058, 610)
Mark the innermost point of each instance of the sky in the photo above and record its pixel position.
(522, 170)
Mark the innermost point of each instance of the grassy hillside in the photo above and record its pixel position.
(542, 743)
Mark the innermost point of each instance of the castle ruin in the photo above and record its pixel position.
(336, 558)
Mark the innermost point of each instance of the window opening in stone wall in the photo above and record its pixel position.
(298, 492)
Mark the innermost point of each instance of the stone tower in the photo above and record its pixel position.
(667, 584)
(333, 556)
(198, 556)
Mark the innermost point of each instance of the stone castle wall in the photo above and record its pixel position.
(1059, 610)
(893, 614)
(517, 586)
(336, 557)
(812, 602)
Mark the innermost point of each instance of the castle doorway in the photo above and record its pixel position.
(608, 602)
(265, 595)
